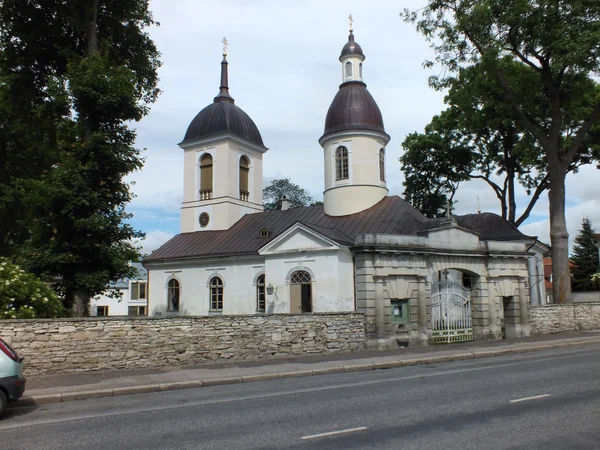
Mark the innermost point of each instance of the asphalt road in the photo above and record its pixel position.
(545, 400)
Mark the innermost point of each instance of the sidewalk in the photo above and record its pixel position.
(83, 385)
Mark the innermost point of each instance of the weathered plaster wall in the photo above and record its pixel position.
(561, 318)
(73, 345)
(239, 286)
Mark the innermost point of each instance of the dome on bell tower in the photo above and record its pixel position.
(353, 141)
(353, 107)
(222, 118)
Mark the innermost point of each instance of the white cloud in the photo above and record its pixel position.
(284, 72)
(153, 240)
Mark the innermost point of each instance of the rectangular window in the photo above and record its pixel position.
(400, 311)
(102, 311)
(137, 311)
(138, 290)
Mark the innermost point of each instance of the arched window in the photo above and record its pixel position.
(216, 294)
(206, 177)
(360, 70)
(382, 164)
(260, 294)
(173, 293)
(244, 171)
(348, 69)
(341, 163)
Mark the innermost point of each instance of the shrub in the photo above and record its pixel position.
(24, 296)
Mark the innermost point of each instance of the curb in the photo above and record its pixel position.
(44, 399)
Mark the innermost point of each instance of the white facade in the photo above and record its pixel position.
(365, 184)
(226, 205)
(300, 249)
(118, 302)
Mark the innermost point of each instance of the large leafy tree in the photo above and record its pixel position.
(478, 137)
(585, 258)
(558, 41)
(274, 192)
(80, 71)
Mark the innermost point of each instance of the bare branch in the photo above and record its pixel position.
(544, 184)
(580, 136)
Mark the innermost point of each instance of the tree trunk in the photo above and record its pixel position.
(559, 237)
(81, 303)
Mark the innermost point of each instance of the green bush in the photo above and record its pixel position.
(24, 296)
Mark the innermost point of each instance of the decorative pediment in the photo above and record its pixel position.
(299, 238)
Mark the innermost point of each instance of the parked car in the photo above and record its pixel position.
(12, 382)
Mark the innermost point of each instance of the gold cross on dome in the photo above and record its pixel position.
(350, 20)
(224, 41)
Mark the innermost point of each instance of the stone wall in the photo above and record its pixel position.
(568, 317)
(72, 345)
(593, 296)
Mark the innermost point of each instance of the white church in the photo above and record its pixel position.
(417, 280)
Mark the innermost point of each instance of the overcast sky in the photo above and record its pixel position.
(284, 72)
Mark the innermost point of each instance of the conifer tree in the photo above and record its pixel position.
(585, 258)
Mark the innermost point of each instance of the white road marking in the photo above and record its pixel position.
(529, 398)
(333, 433)
(68, 416)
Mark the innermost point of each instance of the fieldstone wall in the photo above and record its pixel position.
(568, 317)
(593, 296)
(71, 345)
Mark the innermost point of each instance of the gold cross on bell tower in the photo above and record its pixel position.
(224, 41)
(350, 20)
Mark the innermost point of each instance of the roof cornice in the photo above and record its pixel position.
(224, 137)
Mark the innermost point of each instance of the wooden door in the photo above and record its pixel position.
(295, 298)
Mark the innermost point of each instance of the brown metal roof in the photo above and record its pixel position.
(222, 118)
(353, 108)
(489, 226)
(392, 215)
(351, 47)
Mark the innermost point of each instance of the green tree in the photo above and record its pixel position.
(584, 259)
(476, 137)
(24, 296)
(559, 42)
(93, 67)
(275, 191)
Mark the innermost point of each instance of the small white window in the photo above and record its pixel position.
(260, 294)
(348, 69)
(341, 163)
(216, 294)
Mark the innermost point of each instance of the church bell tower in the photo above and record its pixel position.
(223, 152)
(353, 141)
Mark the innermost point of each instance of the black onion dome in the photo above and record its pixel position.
(353, 108)
(351, 48)
(220, 119)
(223, 118)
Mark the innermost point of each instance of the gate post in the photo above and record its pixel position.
(492, 304)
(525, 331)
(422, 310)
(379, 314)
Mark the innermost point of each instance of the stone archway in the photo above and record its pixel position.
(451, 312)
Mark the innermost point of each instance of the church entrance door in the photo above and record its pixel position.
(451, 313)
(300, 292)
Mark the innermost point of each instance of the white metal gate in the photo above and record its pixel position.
(451, 313)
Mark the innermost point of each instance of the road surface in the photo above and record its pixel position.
(545, 400)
